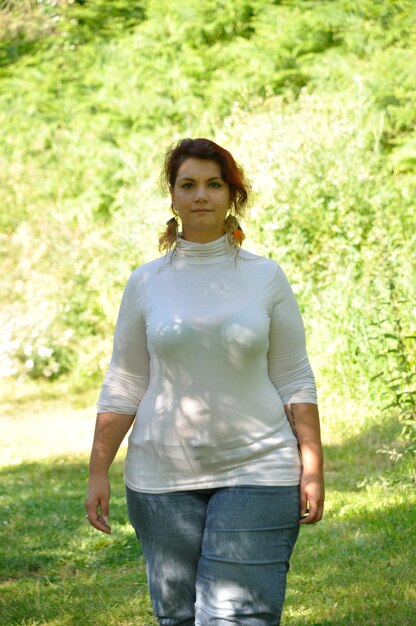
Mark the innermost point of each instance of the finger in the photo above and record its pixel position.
(303, 503)
(103, 524)
(99, 522)
(315, 513)
(97, 519)
(105, 510)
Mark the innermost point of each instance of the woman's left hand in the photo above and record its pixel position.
(312, 495)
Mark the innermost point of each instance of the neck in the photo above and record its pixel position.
(201, 236)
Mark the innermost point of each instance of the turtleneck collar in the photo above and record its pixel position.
(201, 253)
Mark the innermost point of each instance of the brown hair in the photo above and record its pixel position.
(207, 150)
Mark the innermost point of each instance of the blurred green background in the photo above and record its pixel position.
(316, 100)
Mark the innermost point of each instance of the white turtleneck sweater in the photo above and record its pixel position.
(208, 349)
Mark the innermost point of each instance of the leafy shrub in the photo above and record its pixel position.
(315, 99)
(48, 362)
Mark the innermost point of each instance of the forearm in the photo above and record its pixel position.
(110, 430)
(304, 420)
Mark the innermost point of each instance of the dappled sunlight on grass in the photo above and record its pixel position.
(49, 551)
(347, 570)
(356, 562)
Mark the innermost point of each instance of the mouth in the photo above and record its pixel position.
(201, 211)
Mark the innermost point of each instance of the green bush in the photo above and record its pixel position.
(315, 99)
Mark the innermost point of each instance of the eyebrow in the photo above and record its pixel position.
(194, 181)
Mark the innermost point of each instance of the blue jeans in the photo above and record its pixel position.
(217, 557)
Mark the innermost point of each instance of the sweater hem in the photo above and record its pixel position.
(237, 481)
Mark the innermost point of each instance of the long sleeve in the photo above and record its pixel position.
(289, 367)
(127, 377)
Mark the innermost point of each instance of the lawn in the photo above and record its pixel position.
(355, 567)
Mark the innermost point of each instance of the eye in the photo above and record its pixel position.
(186, 185)
(215, 185)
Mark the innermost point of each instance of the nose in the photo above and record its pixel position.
(200, 194)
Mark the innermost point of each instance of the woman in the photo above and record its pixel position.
(209, 362)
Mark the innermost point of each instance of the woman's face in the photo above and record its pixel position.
(201, 198)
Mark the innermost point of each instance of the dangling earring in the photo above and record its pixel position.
(170, 236)
(172, 231)
(233, 230)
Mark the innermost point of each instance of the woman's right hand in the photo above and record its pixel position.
(97, 503)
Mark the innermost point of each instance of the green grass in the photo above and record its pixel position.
(55, 569)
(355, 567)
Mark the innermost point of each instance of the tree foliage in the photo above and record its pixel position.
(316, 99)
